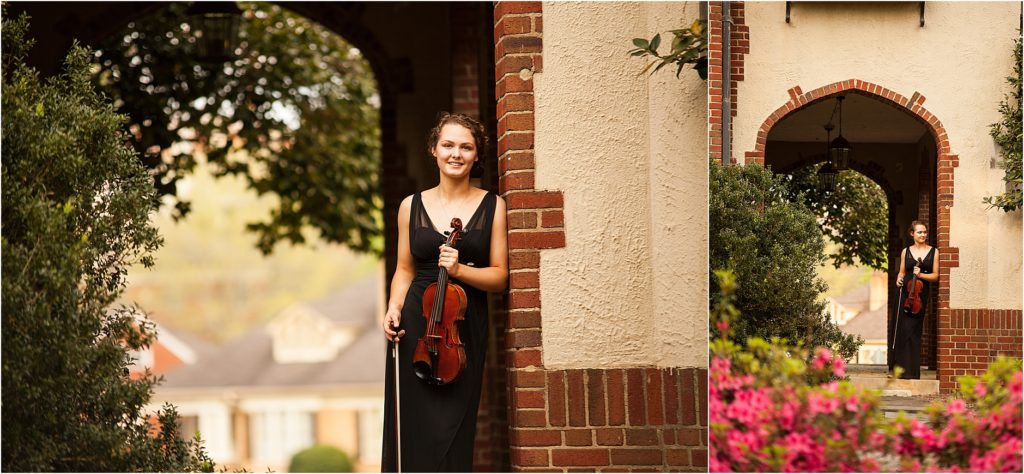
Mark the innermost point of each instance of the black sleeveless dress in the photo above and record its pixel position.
(909, 327)
(439, 422)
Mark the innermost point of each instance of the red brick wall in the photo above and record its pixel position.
(739, 45)
(465, 38)
(925, 185)
(715, 80)
(579, 419)
(971, 338)
(641, 419)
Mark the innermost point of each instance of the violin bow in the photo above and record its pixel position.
(899, 309)
(398, 419)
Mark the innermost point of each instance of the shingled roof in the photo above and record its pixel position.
(248, 361)
(870, 325)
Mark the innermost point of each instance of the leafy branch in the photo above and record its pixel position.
(689, 46)
(1007, 134)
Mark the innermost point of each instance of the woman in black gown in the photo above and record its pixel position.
(922, 260)
(438, 423)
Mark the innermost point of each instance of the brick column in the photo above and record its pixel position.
(587, 419)
(739, 47)
(465, 38)
(926, 189)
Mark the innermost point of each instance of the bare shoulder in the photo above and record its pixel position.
(406, 203)
(404, 209)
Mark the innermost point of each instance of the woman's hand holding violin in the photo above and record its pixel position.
(449, 260)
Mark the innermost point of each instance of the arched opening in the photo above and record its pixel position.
(448, 67)
(856, 218)
(894, 145)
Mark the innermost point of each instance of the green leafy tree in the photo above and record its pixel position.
(296, 113)
(76, 205)
(853, 216)
(1007, 133)
(774, 246)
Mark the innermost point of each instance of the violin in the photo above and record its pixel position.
(440, 356)
(913, 302)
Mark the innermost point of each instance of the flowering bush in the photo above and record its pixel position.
(986, 438)
(783, 408)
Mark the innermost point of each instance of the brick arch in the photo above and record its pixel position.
(946, 163)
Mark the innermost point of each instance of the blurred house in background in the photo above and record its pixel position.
(171, 350)
(862, 312)
(312, 375)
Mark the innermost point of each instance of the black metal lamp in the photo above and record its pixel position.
(827, 177)
(839, 149)
(216, 25)
(827, 173)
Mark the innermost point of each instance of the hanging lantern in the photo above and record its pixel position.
(827, 177)
(839, 149)
(216, 26)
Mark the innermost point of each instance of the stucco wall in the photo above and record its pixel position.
(958, 61)
(629, 152)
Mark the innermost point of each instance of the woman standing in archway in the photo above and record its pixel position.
(922, 261)
(438, 422)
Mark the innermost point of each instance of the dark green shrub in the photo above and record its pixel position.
(320, 458)
(774, 247)
(76, 205)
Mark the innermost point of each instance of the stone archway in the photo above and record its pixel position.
(935, 198)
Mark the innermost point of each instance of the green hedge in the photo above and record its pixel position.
(320, 458)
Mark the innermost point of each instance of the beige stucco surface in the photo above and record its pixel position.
(958, 61)
(629, 153)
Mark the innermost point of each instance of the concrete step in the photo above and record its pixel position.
(912, 406)
(898, 395)
(876, 377)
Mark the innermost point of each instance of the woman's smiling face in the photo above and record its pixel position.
(455, 150)
(920, 234)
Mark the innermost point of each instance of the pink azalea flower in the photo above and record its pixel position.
(852, 404)
(821, 358)
(839, 367)
(1015, 387)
